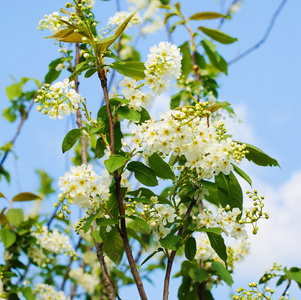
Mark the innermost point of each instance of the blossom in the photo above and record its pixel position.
(86, 280)
(48, 292)
(53, 22)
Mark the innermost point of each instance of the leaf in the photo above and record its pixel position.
(90, 72)
(140, 222)
(173, 27)
(258, 157)
(151, 255)
(79, 70)
(172, 242)
(96, 236)
(242, 174)
(8, 237)
(25, 197)
(14, 91)
(167, 16)
(142, 173)
(27, 293)
(215, 230)
(293, 273)
(206, 15)
(105, 222)
(218, 35)
(186, 61)
(15, 216)
(160, 167)
(144, 116)
(120, 100)
(100, 148)
(88, 223)
(200, 60)
(131, 232)
(228, 190)
(198, 274)
(115, 162)
(190, 248)
(213, 108)
(222, 271)
(114, 249)
(218, 245)
(128, 114)
(70, 139)
(216, 60)
(132, 69)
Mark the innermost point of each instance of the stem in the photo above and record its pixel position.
(173, 254)
(117, 177)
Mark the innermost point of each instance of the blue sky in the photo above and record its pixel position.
(263, 87)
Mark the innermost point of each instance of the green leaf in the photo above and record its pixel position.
(8, 237)
(218, 245)
(206, 15)
(172, 242)
(142, 173)
(144, 116)
(106, 222)
(27, 293)
(141, 222)
(15, 216)
(128, 114)
(79, 70)
(120, 100)
(160, 167)
(173, 27)
(200, 60)
(132, 69)
(131, 232)
(218, 35)
(186, 61)
(167, 16)
(190, 248)
(242, 174)
(222, 271)
(115, 162)
(198, 274)
(213, 108)
(96, 236)
(25, 197)
(114, 249)
(259, 157)
(228, 190)
(215, 230)
(70, 139)
(100, 148)
(14, 91)
(88, 223)
(216, 60)
(293, 273)
(151, 255)
(90, 72)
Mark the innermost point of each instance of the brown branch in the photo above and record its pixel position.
(264, 38)
(287, 287)
(105, 275)
(173, 254)
(117, 177)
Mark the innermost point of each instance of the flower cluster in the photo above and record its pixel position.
(86, 280)
(52, 22)
(58, 100)
(48, 292)
(120, 17)
(37, 255)
(227, 220)
(156, 215)
(205, 152)
(54, 241)
(83, 187)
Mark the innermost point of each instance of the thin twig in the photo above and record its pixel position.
(173, 254)
(287, 287)
(265, 37)
(222, 21)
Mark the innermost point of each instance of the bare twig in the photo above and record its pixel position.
(264, 38)
(287, 287)
(173, 254)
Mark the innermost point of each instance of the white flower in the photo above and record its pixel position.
(87, 281)
(48, 292)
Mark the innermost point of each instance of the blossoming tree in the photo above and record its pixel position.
(168, 185)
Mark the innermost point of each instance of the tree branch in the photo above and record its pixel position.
(264, 38)
(173, 254)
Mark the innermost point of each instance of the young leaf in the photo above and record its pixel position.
(96, 236)
(79, 70)
(198, 274)
(105, 222)
(8, 237)
(161, 168)
(144, 116)
(214, 107)
(128, 114)
(229, 190)
(216, 60)
(132, 69)
(88, 223)
(215, 230)
(90, 72)
(190, 248)
(115, 162)
(70, 139)
(131, 232)
(242, 174)
(140, 222)
(100, 148)
(171, 242)
(142, 173)
(218, 35)
(218, 245)
(206, 15)
(222, 271)
(151, 255)
(15, 216)
(186, 61)
(26, 197)
(259, 157)
(293, 273)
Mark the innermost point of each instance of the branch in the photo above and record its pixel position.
(287, 287)
(117, 177)
(173, 254)
(264, 38)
